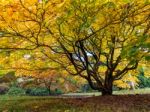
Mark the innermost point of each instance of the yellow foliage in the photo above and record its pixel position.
(39, 29)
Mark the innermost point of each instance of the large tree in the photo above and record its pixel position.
(100, 41)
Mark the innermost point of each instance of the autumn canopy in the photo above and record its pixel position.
(102, 41)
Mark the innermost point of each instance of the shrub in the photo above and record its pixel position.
(39, 91)
(144, 82)
(56, 92)
(115, 88)
(16, 91)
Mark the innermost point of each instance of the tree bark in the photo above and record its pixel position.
(107, 92)
(107, 87)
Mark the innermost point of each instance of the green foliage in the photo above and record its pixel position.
(147, 58)
(143, 81)
(16, 91)
(115, 88)
(2, 72)
(39, 91)
(56, 92)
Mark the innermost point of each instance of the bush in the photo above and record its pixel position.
(16, 91)
(37, 91)
(41, 91)
(3, 89)
(56, 92)
(144, 82)
(115, 88)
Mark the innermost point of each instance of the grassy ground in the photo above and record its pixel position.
(122, 92)
(116, 103)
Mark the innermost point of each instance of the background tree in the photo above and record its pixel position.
(105, 43)
(100, 45)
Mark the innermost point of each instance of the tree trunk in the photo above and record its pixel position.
(49, 90)
(107, 87)
(106, 92)
(48, 86)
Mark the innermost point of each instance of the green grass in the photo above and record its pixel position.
(122, 92)
(136, 91)
(116, 103)
(31, 104)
